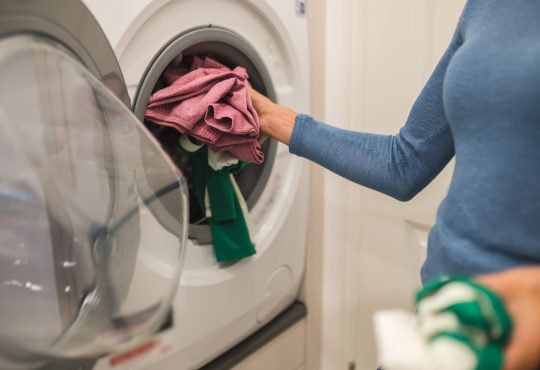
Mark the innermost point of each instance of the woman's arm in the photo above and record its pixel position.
(398, 165)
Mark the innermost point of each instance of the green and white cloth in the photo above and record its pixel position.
(459, 325)
(220, 198)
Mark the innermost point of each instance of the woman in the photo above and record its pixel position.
(482, 104)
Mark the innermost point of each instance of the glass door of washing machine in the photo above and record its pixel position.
(93, 215)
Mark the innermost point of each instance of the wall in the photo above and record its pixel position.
(370, 60)
(312, 288)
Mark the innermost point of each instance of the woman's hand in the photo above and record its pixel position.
(520, 289)
(276, 121)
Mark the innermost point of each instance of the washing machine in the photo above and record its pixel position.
(93, 213)
(170, 305)
(219, 305)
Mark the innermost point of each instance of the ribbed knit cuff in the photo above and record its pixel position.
(297, 138)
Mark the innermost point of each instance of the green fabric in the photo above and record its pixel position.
(229, 229)
(484, 325)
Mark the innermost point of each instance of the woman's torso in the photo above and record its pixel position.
(490, 219)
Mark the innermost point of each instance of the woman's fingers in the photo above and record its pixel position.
(262, 138)
(258, 100)
(519, 290)
(522, 352)
(276, 120)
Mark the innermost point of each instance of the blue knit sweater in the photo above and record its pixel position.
(482, 104)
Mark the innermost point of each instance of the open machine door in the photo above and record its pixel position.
(93, 215)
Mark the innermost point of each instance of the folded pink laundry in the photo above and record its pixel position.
(211, 103)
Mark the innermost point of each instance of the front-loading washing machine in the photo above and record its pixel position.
(215, 305)
(218, 305)
(93, 213)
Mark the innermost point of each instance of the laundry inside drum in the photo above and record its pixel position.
(247, 178)
(253, 178)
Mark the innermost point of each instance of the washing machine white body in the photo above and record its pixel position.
(218, 306)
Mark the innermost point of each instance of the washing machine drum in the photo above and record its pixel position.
(93, 216)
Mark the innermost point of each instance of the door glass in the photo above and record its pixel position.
(93, 215)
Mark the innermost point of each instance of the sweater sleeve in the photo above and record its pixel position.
(398, 165)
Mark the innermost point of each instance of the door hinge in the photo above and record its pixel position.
(300, 8)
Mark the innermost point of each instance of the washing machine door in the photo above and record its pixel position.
(93, 215)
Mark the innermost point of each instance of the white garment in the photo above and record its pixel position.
(188, 145)
(219, 160)
(216, 160)
(401, 346)
(405, 341)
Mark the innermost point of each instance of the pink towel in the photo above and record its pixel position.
(211, 103)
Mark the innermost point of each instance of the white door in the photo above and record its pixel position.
(402, 42)
(374, 245)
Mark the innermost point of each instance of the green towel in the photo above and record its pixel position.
(216, 194)
(458, 315)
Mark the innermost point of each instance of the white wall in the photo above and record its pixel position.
(312, 287)
(370, 60)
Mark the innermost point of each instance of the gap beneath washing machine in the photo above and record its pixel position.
(293, 314)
